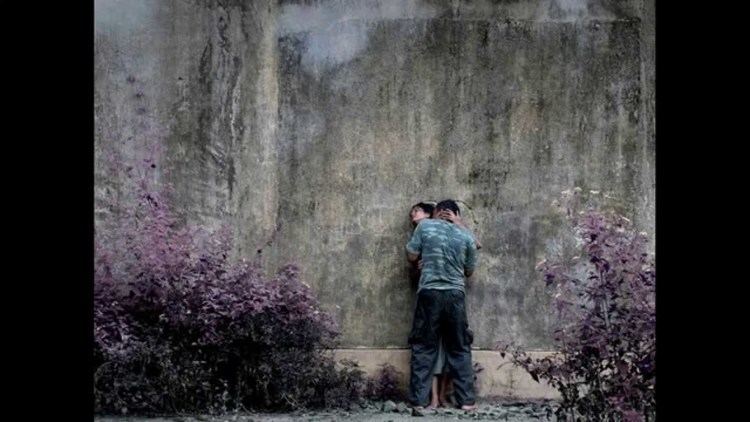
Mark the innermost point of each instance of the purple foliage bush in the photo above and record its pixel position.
(604, 301)
(386, 384)
(179, 327)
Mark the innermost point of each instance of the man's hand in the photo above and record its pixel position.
(449, 215)
(419, 265)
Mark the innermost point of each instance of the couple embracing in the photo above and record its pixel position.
(445, 251)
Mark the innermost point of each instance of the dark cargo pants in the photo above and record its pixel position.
(440, 313)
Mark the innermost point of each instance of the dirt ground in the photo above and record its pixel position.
(371, 412)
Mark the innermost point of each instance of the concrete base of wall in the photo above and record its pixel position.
(500, 377)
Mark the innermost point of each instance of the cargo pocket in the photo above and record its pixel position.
(416, 335)
(469, 336)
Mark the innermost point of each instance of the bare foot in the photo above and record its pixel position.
(469, 407)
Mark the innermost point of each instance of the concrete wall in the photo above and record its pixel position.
(312, 126)
(499, 377)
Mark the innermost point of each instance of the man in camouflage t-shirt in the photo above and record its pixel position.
(449, 254)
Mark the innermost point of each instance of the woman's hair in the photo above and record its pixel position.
(425, 206)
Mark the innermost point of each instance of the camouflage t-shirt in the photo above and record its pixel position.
(447, 251)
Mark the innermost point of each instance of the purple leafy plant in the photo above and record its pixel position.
(385, 384)
(604, 304)
(180, 327)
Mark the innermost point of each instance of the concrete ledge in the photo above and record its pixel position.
(500, 377)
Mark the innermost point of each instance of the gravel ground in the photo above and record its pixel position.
(373, 412)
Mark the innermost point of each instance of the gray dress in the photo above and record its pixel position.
(440, 362)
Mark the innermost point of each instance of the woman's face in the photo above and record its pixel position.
(417, 214)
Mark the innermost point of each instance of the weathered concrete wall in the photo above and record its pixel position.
(312, 126)
(500, 377)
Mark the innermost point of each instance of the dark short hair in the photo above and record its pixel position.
(425, 206)
(448, 204)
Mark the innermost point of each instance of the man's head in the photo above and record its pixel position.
(447, 204)
(420, 211)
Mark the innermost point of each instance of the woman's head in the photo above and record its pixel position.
(421, 211)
